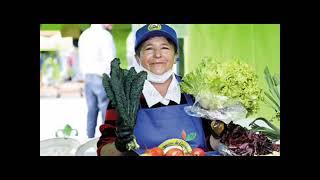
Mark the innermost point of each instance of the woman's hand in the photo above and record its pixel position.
(110, 150)
(124, 136)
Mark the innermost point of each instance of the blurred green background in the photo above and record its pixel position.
(255, 44)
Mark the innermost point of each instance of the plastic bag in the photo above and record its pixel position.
(225, 151)
(215, 107)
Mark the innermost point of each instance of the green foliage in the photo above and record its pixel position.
(51, 62)
(273, 93)
(235, 80)
(273, 100)
(255, 44)
(273, 132)
(120, 33)
(66, 131)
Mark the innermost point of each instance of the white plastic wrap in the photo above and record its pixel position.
(215, 107)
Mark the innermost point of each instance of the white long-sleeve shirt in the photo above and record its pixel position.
(96, 50)
(130, 49)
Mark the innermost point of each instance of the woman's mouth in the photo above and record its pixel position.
(157, 63)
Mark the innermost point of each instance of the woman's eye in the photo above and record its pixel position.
(165, 48)
(149, 48)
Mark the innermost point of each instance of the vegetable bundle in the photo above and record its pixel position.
(273, 95)
(215, 84)
(273, 132)
(245, 142)
(273, 99)
(124, 89)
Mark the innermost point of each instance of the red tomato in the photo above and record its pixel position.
(198, 152)
(155, 151)
(175, 152)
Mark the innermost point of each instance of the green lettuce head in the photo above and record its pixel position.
(215, 84)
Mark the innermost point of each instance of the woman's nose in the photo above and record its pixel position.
(157, 53)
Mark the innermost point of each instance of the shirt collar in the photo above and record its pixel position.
(153, 97)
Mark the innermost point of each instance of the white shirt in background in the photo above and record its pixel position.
(130, 49)
(153, 97)
(96, 50)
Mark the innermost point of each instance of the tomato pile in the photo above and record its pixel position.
(174, 152)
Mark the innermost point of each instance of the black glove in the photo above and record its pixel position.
(124, 136)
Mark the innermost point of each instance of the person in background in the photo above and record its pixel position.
(131, 59)
(96, 51)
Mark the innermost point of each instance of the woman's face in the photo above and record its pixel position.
(157, 55)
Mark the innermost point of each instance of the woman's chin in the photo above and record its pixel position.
(158, 71)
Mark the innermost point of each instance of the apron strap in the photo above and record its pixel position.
(178, 78)
(188, 98)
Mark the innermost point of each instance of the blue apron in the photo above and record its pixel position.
(155, 125)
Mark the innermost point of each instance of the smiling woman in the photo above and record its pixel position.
(161, 105)
(157, 54)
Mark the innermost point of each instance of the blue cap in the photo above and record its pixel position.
(152, 30)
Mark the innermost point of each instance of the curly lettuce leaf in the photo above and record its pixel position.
(235, 80)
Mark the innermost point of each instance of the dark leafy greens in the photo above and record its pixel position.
(245, 142)
(124, 89)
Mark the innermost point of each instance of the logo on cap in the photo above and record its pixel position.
(153, 27)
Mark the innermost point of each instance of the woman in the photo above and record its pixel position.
(161, 115)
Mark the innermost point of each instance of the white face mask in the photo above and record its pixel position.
(154, 77)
